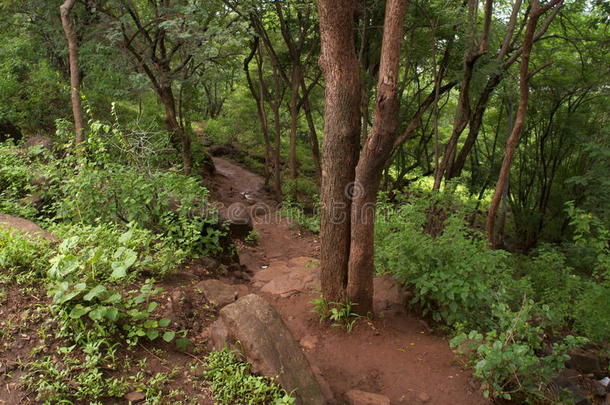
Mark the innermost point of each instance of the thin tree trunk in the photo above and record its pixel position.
(463, 110)
(341, 141)
(277, 169)
(513, 140)
(77, 108)
(375, 152)
(294, 120)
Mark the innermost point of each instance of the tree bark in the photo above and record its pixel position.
(77, 108)
(341, 141)
(513, 140)
(295, 82)
(176, 131)
(376, 151)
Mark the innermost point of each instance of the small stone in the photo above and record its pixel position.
(357, 397)
(309, 342)
(217, 292)
(135, 396)
(423, 397)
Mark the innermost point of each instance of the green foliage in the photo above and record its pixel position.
(84, 288)
(22, 258)
(455, 277)
(232, 382)
(340, 314)
(252, 238)
(165, 202)
(507, 357)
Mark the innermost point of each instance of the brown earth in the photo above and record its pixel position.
(396, 356)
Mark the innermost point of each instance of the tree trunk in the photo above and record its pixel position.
(313, 140)
(341, 141)
(513, 140)
(375, 152)
(463, 110)
(277, 104)
(77, 108)
(177, 132)
(294, 120)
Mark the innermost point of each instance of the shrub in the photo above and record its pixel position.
(22, 259)
(232, 382)
(508, 358)
(455, 277)
(165, 202)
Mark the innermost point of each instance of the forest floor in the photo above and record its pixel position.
(398, 356)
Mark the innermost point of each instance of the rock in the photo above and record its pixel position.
(423, 397)
(39, 140)
(217, 292)
(270, 347)
(30, 229)
(388, 295)
(309, 342)
(237, 217)
(295, 281)
(584, 361)
(357, 397)
(209, 263)
(135, 396)
(218, 335)
(567, 381)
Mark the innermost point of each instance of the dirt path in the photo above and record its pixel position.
(395, 356)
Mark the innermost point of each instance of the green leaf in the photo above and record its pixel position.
(152, 306)
(152, 334)
(78, 311)
(169, 336)
(164, 322)
(182, 343)
(94, 292)
(97, 314)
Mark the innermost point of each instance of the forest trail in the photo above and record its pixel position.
(396, 355)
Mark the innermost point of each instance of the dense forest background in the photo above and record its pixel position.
(164, 84)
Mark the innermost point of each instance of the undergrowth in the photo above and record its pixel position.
(232, 382)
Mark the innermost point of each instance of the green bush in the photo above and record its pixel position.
(455, 277)
(22, 259)
(507, 358)
(165, 202)
(232, 382)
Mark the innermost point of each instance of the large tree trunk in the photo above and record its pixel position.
(375, 152)
(341, 141)
(77, 108)
(513, 140)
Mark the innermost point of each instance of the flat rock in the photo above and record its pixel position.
(299, 279)
(276, 269)
(218, 292)
(268, 344)
(29, 228)
(135, 396)
(357, 397)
